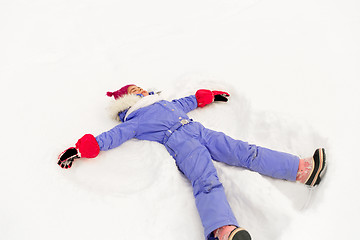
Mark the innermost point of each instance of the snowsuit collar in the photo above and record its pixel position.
(121, 108)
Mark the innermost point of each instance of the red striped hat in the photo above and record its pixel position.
(119, 93)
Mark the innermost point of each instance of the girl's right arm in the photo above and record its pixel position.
(89, 146)
(118, 135)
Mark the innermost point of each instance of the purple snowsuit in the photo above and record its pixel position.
(193, 147)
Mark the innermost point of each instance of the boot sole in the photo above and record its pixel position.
(319, 167)
(239, 234)
(322, 171)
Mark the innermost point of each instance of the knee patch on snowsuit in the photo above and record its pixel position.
(206, 185)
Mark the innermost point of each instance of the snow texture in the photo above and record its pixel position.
(291, 68)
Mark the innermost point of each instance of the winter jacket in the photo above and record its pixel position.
(151, 120)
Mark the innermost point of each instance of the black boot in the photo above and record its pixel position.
(239, 234)
(318, 169)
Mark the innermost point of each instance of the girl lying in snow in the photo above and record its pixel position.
(146, 116)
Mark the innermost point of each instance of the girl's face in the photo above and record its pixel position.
(137, 90)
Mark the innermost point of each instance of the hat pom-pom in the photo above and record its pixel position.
(110, 94)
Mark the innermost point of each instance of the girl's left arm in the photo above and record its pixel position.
(201, 98)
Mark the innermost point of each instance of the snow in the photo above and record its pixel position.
(291, 67)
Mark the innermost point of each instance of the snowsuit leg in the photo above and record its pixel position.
(238, 153)
(194, 161)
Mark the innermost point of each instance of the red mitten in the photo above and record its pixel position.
(205, 97)
(88, 146)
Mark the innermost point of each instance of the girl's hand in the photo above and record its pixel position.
(205, 97)
(67, 157)
(220, 96)
(86, 147)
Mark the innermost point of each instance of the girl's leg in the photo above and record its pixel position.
(305, 169)
(238, 153)
(223, 233)
(194, 160)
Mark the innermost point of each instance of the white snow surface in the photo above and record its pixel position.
(291, 68)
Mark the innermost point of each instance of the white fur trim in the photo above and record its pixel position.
(121, 104)
(131, 102)
(144, 102)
